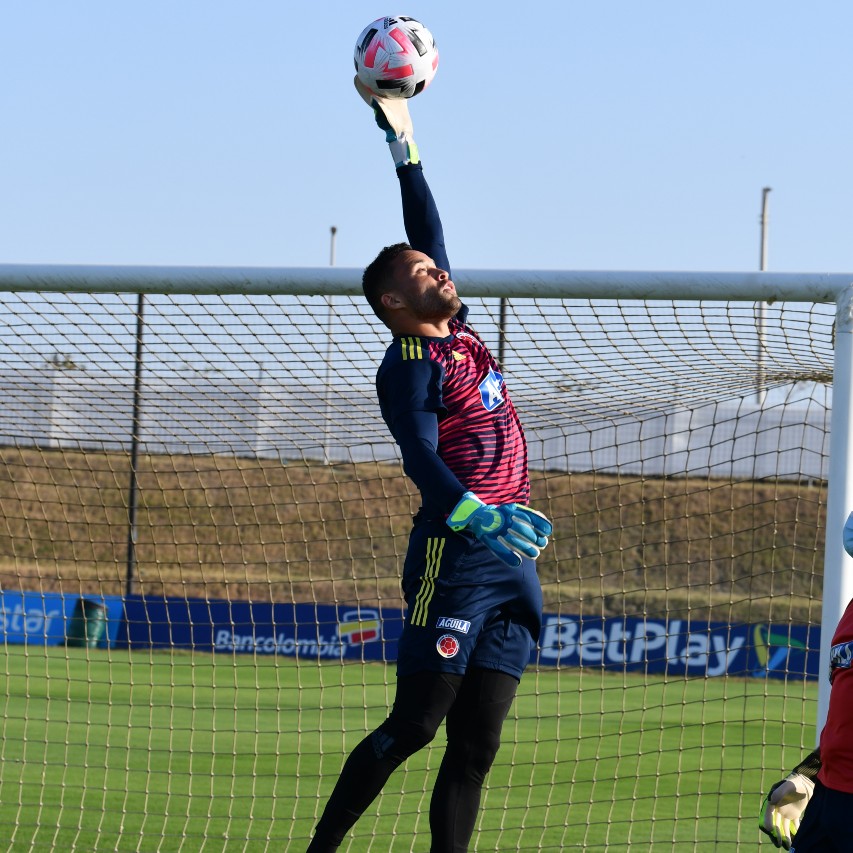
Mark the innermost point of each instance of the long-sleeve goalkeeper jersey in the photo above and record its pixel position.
(445, 399)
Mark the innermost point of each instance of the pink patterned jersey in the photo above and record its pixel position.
(480, 438)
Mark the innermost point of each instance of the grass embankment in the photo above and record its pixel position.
(244, 528)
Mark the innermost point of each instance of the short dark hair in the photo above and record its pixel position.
(377, 278)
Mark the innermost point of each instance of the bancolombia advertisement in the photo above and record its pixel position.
(339, 632)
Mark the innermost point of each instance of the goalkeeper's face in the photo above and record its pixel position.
(426, 290)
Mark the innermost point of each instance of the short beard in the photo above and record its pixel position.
(436, 307)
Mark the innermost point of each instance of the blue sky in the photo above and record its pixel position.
(608, 135)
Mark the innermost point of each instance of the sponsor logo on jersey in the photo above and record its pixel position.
(447, 645)
(451, 623)
(459, 356)
(490, 390)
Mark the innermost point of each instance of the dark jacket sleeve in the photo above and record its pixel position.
(416, 434)
(411, 402)
(420, 215)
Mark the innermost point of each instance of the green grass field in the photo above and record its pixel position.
(107, 750)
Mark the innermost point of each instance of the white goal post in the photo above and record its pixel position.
(657, 468)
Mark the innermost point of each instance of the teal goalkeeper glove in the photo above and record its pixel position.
(782, 809)
(510, 531)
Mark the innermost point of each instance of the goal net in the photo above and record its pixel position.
(202, 525)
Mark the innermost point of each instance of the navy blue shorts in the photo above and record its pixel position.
(825, 827)
(465, 606)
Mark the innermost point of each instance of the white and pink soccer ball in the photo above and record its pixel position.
(396, 57)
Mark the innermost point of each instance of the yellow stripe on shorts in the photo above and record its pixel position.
(434, 549)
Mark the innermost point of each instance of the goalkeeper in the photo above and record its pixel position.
(469, 577)
(824, 780)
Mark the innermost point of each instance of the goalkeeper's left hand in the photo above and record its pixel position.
(392, 116)
(510, 531)
(782, 809)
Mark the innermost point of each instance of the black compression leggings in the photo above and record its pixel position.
(475, 706)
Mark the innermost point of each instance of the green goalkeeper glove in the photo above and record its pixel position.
(782, 809)
(392, 116)
(510, 531)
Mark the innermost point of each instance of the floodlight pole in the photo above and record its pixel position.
(133, 487)
(760, 393)
(327, 415)
(502, 333)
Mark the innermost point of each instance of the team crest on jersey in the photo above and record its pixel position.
(490, 390)
(447, 645)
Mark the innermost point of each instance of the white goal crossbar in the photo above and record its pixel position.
(341, 281)
(628, 285)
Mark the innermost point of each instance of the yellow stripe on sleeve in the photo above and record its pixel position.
(412, 348)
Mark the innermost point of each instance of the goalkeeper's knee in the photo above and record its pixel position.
(420, 706)
(473, 753)
(401, 736)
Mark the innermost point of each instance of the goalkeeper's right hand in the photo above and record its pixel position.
(509, 531)
(782, 809)
(392, 116)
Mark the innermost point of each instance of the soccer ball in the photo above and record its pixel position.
(396, 57)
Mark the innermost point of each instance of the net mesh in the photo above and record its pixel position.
(681, 455)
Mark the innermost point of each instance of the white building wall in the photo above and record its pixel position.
(71, 408)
